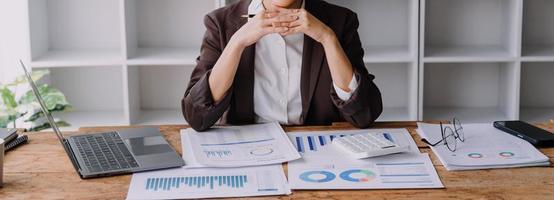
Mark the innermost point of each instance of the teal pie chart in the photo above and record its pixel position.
(506, 154)
(317, 176)
(357, 175)
(475, 155)
(261, 151)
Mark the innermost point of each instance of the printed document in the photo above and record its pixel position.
(484, 147)
(324, 166)
(237, 146)
(181, 183)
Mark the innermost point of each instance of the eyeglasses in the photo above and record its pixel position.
(449, 136)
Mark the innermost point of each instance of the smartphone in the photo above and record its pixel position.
(528, 132)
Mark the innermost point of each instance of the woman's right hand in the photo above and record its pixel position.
(262, 24)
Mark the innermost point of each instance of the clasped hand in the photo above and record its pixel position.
(284, 22)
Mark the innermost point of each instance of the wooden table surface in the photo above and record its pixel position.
(41, 170)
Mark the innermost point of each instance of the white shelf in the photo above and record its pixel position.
(384, 54)
(467, 54)
(390, 40)
(464, 88)
(84, 58)
(148, 101)
(465, 115)
(398, 85)
(395, 114)
(538, 53)
(92, 118)
(95, 94)
(164, 56)
(537, 100)
(538, 31)
(161, 117)
(165, 32)
(470, 30)
(74, 33)
(536, 115)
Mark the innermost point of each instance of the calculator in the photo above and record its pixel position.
(367, 145)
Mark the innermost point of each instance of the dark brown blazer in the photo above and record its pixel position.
(320, 103)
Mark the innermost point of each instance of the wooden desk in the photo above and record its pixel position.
(41, 170)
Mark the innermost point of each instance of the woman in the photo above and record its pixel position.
(295, 62)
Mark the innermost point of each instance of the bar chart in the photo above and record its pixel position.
(182, 183)
(311, 143)
(218, 153)
(210, 182)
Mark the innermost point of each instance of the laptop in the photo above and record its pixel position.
(114, 152)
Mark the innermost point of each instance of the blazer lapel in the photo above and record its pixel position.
(312, 61)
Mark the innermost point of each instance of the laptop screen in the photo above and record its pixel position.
(41, 102)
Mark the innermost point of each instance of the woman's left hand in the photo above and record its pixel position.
(306, 23)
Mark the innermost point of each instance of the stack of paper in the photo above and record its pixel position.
(485, 147)
(212, 166)
(323, 166)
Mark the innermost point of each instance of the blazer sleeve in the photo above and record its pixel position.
(365, 105)
(198, 106)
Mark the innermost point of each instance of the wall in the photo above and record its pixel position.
(13, 43)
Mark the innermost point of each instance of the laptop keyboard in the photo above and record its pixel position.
(104, 152)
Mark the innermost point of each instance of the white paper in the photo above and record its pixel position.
(181, 183)
(237, 146)
(308, 143)
(324, 166)
(484, 147)
(401, 171)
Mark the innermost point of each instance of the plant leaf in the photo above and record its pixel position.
(8, 98)
(38, 112)
(53, 98)
(4, 121)
(35, 75)
(46, 125)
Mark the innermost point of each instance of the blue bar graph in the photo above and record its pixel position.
(388, 137)
(299, 144)
(321, 140)
(209, 182)
(218, 153)
(313, 142)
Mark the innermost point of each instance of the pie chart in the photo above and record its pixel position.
(261, 151)
(506, 154)
(317, 176)
(475, 155)
(357, 175)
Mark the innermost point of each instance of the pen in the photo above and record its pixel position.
(248, 16)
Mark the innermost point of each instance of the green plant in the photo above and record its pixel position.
(24, 110)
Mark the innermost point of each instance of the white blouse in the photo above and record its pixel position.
(277, 71)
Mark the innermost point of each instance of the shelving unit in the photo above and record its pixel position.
(537, 100)
(151, 104)
(126, 62)
(470, 30)
(470, 53)
(66, 33)
(164, 32)
(390, 40)
(95, 93)
(472, 92)
(398, 85)
(390, 51)
(538, 32)
(111, 57)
